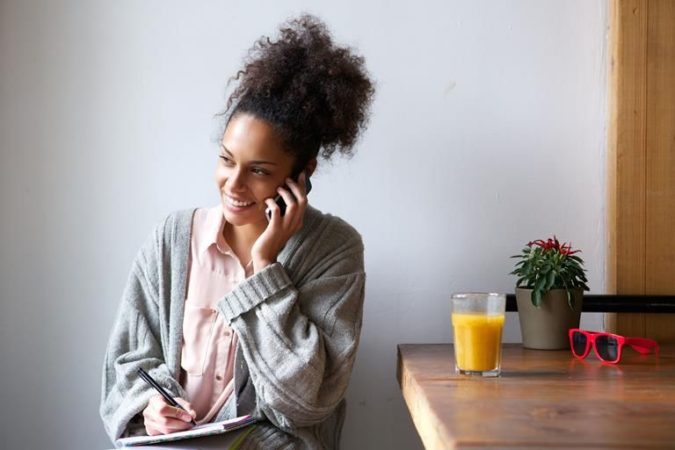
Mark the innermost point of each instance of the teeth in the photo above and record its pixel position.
(237, 203)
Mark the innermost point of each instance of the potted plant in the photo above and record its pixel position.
(549, 292)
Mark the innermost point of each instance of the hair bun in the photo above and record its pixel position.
(316, 94)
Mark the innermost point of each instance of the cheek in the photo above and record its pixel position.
(261, 191)
(220, 176)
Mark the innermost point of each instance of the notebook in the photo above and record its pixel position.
(208, 429)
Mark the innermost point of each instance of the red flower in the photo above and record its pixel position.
(553, 244)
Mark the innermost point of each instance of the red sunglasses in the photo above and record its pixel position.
(608, 347)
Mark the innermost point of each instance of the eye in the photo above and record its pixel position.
(259, 171)
(225, 159)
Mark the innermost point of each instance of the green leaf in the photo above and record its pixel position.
(536, 298)
(539, 284)
(520, 280)
(570, 299)
(550, 281)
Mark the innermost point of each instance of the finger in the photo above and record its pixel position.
(158, 408)
(290, 217)
(298, 189)
(187, 406)
(167, 418)
(175, 413)
(275, 212)
(300, 183)
(171, 424)
(157, 417)
(288, 197)
(166, 425)
(300, 193)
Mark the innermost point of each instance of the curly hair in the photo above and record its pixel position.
(315, 94)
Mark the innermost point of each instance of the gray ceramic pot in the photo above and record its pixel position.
(545, 327)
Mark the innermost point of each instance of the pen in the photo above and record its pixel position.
(148, 379)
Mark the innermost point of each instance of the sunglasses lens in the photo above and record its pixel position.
(608, 348)
(578, 343)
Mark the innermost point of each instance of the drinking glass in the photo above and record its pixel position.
(478, 321)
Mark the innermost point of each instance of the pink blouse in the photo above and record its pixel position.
(209, 344)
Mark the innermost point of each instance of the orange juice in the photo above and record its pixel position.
(478, 341)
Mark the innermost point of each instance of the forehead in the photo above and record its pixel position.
(248, 137)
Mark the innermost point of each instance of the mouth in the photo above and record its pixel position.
(236, 204)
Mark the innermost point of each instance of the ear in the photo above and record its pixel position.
(310, 167)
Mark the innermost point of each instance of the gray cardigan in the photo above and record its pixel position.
(298, 323)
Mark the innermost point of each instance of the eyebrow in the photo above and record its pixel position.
(252, 162)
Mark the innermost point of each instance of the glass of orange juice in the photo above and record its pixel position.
(478, 321)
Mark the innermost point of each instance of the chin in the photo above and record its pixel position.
(243, 218)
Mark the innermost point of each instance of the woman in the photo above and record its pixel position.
(242, 308)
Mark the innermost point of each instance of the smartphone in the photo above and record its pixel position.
(280, 200)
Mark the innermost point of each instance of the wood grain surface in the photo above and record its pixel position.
(660, 170)
(544, 399)
(641, 160)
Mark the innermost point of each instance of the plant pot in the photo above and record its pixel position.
(545, 327)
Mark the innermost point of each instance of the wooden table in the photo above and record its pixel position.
(544, 399)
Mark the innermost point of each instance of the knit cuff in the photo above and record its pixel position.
(254, 290)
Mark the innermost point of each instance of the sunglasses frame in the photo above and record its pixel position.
(641, 345)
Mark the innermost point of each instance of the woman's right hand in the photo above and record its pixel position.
(162, 418)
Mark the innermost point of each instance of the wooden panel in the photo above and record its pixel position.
(641, 167)
(544, 399)
(627, 156)
(660, 173)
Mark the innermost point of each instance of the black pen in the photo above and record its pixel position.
(148, 379)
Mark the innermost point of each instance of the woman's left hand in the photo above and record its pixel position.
(280, 228)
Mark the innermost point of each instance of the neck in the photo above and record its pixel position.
(241, 238)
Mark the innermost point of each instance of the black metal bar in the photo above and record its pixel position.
(617, 303)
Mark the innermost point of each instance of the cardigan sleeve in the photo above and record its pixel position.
(135, 341)
(299, 341)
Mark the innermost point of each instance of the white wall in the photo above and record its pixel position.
(488, 131)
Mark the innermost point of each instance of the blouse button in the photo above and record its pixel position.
(219, 378)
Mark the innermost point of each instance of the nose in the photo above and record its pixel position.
(236, 180)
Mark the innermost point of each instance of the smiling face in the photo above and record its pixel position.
(252, 165)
